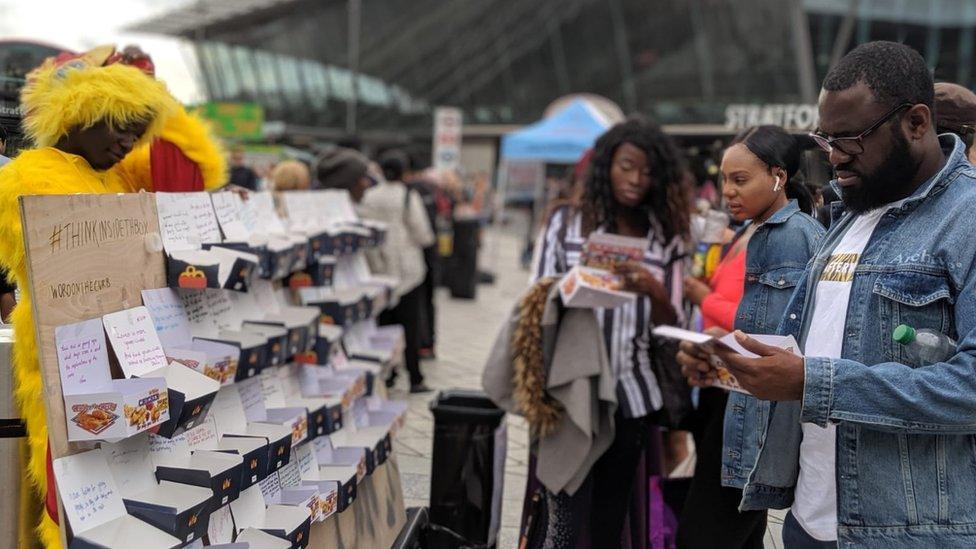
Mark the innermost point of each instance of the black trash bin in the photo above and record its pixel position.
(463, 279)
(467, 473)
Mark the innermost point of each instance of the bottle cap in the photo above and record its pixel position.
(903, 334)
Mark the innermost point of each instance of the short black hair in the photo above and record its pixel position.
(894, 72)
(394, 162)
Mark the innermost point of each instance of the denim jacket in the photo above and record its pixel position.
(777, 253)
(906, 434)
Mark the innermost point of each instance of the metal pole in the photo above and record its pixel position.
(354, 23)
(803, 50)
(844, 35)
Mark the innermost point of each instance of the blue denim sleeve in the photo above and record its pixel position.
(936, 399)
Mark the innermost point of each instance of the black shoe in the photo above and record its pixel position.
(391, 380)
(420, 388)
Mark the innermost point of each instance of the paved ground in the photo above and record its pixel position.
(466, 330)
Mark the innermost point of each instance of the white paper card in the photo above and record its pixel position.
(198, 313)
(169, 317)
(135, 342)
(83, 357)
(221, 527)
(227, 410)
(290, 475)
(130, 464)
(88, 491)
(203, 436)
(186, 220)
(248, 509)
(235, 218)
(271, 489)
(252, 399)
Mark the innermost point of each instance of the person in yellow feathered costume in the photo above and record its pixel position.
(94, 126)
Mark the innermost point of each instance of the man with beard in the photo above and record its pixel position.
(869, 446)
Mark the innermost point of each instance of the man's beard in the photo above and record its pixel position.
(891, 181)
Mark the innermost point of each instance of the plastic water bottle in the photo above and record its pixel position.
(924, 346)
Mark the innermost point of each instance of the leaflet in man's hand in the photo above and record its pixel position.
(725, 378)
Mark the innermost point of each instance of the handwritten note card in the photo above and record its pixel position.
(186, 220)
(88, 491)
(237, 219)
(83, 357)
(252, 398)
(271, 489)
(134, 339)
(130, 464)
(169, 317)
(197, 313)
(267, 217)
(221, 527)
(221, 308)
(203, 436)
(290, 476)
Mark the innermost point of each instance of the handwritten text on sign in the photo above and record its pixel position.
(82, 356)
(94, 232)
(134, 339)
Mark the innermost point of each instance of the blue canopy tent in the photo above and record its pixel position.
(559, 139)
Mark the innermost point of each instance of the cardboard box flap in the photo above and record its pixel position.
(215, 267)
(243, 444)
(121, 531)
(271, 432)
(256, 539)
(265, 330)
(246, 339)
(284, 517)
(171, 495)
(339, 473)
(191, 383)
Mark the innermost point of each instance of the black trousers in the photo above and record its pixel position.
(407, 313)
(428, 334)
(711, 517)
(599, 507)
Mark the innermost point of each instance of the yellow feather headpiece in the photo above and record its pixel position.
(59, 98)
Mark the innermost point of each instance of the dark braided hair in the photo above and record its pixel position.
(666, 201)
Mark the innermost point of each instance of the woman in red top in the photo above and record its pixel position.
(720, 298)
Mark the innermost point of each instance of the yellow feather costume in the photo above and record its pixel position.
(194, 138)
(57, 100)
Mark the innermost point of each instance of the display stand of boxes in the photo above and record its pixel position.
(203, 410)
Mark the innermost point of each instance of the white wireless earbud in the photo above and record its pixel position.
(776, 185)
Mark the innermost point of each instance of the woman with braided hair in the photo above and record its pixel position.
(634, 188)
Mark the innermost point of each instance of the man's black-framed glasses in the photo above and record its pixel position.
(854, 145)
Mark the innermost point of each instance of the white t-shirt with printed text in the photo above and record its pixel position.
(815, 500)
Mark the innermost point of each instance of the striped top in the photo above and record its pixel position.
(626, 329)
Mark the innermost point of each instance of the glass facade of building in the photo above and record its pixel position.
(504, 61)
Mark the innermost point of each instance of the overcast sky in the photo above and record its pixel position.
(82, 24)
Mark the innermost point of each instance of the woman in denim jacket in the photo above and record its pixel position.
(760, 184)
